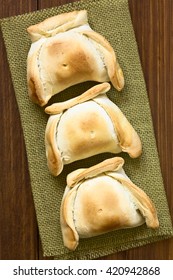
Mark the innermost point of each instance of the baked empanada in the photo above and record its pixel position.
(87, 125)
(65, 51)
(101, 199)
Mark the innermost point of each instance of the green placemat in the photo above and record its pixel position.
(112, 19)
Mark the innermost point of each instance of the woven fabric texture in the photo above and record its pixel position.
(111, 18)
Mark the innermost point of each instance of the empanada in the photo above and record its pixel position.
(65, 51)
(101, 199)
(87, 125)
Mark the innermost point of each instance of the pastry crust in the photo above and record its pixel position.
(53, 154)
(65, 51)
(88, 126)
(60, 107)
(127, 136)
(101, 199)
(57, 24)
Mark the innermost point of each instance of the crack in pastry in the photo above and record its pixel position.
(101, 199)
(70, 53)
(89, 124)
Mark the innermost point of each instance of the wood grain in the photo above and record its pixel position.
(19, 235)
(153, 25)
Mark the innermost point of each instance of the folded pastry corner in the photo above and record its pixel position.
(87, 125)
(65, 51)
(101, 199)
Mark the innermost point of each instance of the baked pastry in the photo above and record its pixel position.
(87, 125)
(65, 51)
(101, 199)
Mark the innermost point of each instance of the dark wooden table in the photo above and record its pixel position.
(153, 25)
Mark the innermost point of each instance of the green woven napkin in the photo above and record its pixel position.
(112, 19)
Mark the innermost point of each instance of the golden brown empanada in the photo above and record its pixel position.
(101, 199)
(65, 51)
(87, 125)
